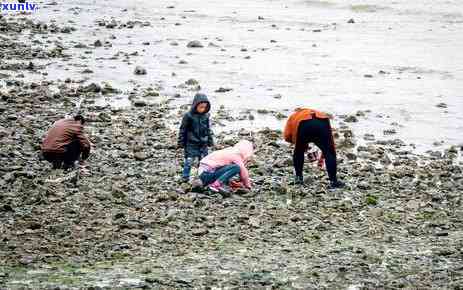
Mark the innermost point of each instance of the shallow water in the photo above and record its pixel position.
(415, 44)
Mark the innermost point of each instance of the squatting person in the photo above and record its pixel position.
(65, 143)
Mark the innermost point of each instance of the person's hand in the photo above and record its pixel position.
(84, 171)
(321, 161)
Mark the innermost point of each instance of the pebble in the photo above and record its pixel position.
(442, 105)
(351, 119)
(223, 90)
(200, 232)
(195, 44)
(98, 43)
(369, 137)
(140, 70)
(390, 131)
(140, 103)
(140, 156)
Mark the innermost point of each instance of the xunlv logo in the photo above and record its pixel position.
(18, 6)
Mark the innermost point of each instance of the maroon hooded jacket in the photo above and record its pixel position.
(62, 133)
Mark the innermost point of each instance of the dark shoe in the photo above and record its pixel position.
(299, 180)
(337, 184)
(57, 165)
(216, 186)
(221, 188)
(185, 179)
(69, 166)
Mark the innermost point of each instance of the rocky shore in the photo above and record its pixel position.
(131, 224)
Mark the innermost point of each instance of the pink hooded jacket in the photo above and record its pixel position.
(237, 154)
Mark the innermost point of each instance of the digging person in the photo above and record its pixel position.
(65, 143)
(306, 126)
(217, 169)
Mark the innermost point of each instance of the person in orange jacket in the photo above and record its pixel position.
(305, 126)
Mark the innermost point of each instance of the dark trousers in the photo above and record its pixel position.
(317, 131)
(72, 152)
(192, 153)
(222, 174)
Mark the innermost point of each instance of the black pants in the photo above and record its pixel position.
(72, 153)
(317, 131)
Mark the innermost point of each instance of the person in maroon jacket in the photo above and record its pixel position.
(65, 143)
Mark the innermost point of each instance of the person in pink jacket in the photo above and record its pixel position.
(219, 167)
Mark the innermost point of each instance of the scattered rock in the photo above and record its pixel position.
(194, 44)
(390, 131)
(200, 232)
(139, 103)
(26, 260)
(192, 82)
(98, 43)
(370, 199)
(139, 70)
(92, 88)
(7, 208)
(442, 105)
(351, 156)
(140, 156)
(363, 185)
(223, 90)
(351, 119)
(369, 137)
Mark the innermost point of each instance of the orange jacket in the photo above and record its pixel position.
(300, 114)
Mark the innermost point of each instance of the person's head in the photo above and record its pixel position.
(202, 107)
(245, 148)
(80, 119)
(201, 104)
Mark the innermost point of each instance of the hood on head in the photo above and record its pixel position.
(245, 149)
(200, 98)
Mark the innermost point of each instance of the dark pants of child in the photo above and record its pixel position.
(72, 152)
(222, 174)
(192, 153)
(317, 131)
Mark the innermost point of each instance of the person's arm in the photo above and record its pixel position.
(287, 134)
(210, 138)
(244, 173)
(83, 140)
(182, 134)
